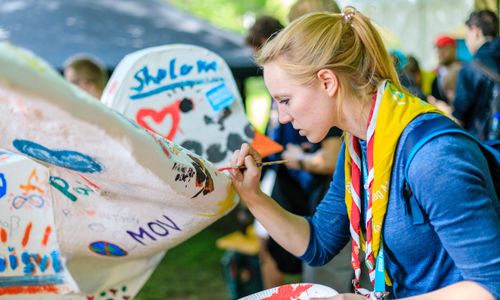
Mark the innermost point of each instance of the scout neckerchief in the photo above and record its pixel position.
(391, 111)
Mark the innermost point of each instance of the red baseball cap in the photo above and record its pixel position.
(445, 40)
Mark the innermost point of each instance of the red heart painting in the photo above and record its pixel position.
(158, 116)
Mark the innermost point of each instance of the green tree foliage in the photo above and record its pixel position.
(230, 14)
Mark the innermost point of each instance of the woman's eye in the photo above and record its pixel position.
(283, 101)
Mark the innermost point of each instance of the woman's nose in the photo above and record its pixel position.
(284, 117)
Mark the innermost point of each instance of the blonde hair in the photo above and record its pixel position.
(302, 7)
(346, 43)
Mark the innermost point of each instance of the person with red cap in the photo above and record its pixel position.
(446, 47)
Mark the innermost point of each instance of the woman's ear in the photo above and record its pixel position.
(329, 81)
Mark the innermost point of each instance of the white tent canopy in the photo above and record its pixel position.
(416, 22)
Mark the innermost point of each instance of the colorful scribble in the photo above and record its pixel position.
(107, 249)
(203, 177)
(113, 294)
(184, 173)
(36, 201)
(289, 291)
(63, 158)
(30, 287)
(29, 186)
(63, 186)
(32, 263)
(93, 185)
(156, 228)
(173, 111)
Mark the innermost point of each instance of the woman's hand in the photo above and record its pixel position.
(293, 154)
(246, 182)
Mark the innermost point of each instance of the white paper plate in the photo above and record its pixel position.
(302, 291)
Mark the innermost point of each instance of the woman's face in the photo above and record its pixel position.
(310, 108)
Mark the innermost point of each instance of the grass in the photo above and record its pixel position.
(192, 270)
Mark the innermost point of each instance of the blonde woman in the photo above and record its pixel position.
(328, 70)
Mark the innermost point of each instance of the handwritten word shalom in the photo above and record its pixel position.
(154, 229)
(147, 83)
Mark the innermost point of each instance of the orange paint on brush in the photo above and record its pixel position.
(27, 233)
(18, 290)
(46, 235)
(3, 235)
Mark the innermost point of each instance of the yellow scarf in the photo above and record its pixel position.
(391, 113)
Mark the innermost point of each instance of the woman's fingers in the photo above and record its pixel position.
(244, 150)
(249, 158)
(234, 162)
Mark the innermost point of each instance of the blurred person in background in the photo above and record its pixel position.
(474, 89)
(412, 70)
(401, 62)
(446, 47)
(87, 73)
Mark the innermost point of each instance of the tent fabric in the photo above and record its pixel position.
(110, 29)
(416, 23)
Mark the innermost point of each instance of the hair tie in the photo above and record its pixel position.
(348, 13)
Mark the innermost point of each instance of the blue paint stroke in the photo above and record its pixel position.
(56, 261)
(3, 185)
(3, 264)
(63, 158)
(29, 267)
(173, 86)
(32, 280)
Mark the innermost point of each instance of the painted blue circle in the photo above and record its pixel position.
(107, 249)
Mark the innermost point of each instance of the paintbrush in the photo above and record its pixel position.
(276, 162)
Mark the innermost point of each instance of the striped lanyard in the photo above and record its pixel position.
(355, 220)
(379, 286)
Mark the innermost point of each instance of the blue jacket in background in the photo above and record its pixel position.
(473, 90)
(450, 180)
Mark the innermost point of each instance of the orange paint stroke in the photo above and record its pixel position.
(30, 186)
(46, 235)
(27, 233)
(3, 235)
(17, 290)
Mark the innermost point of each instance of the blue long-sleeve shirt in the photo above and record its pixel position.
(461, 240)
